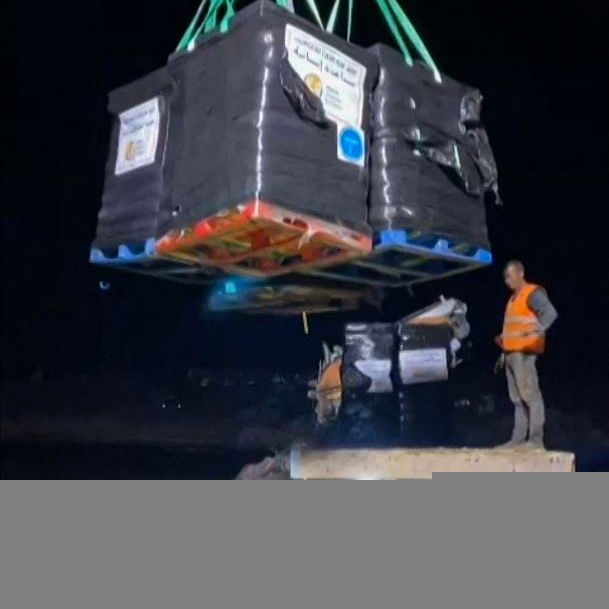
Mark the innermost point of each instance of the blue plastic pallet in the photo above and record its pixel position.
(400, 258)
(126, 254)
(141, 257)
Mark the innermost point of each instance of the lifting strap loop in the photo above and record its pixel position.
(414, 38)
(186, 37)
(395, 17)
(209, 23)
(334, 15)
(382, 4)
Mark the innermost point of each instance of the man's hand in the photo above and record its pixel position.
(499, 341)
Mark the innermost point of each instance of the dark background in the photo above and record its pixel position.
(542, 68)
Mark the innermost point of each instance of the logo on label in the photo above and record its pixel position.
(131, 151)
(351, 144)
(313, 82)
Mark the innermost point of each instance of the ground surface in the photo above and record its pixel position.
(210, 426)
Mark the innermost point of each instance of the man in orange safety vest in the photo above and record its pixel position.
(528, 316)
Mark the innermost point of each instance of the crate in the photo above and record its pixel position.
(262, 240)
(402, 258)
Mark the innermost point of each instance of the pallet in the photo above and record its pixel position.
(142, 257)
(403, 463)
(291, 296)
(400, 258)
(261, 240)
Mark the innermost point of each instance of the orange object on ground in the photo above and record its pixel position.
(262, 240)
(521, 330)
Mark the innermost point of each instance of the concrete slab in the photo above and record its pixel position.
(400, 464)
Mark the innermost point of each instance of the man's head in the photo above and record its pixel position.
(513, 274)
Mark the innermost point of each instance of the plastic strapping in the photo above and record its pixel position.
(382, 4)
(414, 37)
(187, 36)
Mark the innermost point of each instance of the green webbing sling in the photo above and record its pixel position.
(395, 17)
(398, 23)
(382, 4)
(334, 14)
(190, 30)
(210, 22)
(414, 38)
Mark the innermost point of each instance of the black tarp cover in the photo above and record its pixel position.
(431, 163)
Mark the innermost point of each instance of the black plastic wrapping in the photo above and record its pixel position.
(425, 407)
(370, 412)
(415, 338)
(368, 358)
(431, 162)
(252, 130)
(136, 203)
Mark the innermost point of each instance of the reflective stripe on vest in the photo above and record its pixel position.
(521, 324)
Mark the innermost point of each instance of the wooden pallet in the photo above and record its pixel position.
(258, 239)
(400, 258)
(142, 257)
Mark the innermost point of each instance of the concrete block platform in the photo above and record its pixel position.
(401, 464)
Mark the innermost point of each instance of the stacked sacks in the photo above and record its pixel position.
(424, 396)
(431, 163)
(275, 110)
(369, 414)
(138, 180)
(429, 341)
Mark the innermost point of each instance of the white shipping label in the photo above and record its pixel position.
(334, 77)
(423, 366)
(138, 137)
(379, 372)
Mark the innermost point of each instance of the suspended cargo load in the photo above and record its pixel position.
(431, 162)
(273, 111)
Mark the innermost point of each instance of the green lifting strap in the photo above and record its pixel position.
(313, 8)
(210, 21)
(414, 38)
(332, 19)
(350, 20)
(382, 4)
(186, 37)
(334, 14)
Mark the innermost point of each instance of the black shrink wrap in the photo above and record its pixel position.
(431, 163)
(422, 337)
(370, 412)
(252, 129)
(425, 402)
(137, 189)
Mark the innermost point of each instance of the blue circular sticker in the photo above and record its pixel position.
(351, 144)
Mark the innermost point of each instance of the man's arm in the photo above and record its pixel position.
(543, 309)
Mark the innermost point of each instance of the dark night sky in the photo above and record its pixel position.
(540, 64)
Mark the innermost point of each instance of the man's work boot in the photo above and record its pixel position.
(536, 442)
(513, 443)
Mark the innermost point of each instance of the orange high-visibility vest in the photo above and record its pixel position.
(519, 321)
